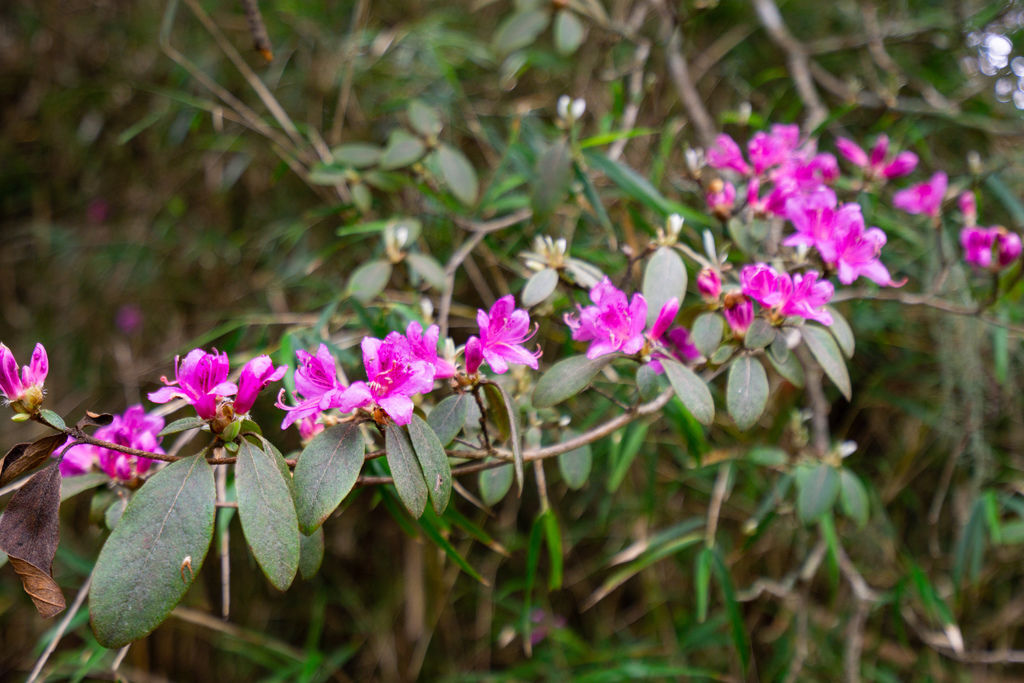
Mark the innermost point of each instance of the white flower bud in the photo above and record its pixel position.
(709, 246)
(579, 106)
(846, 449)
(694, 159)
(563, 107)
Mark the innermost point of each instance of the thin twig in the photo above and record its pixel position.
(679, 70)
(61, 628)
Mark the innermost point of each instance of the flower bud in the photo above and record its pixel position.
(969, 208)
(474, 355)
(739, 313)
(709, 284)
(1008, 248)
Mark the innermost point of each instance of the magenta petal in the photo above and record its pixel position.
(399, 408)
(665, 317)
(166, 394)
(357, 395)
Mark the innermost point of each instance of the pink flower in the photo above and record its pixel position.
(978, 244)
(257, 373)
(721, 197)
(201, 379)
(1008, 247)
(474, 355)
(393, 374)
(27, 389)
(503, 331)
(725, 153)
(709, 284)
(772, 149)
(666, 316)
(134, 429)
(875, 166)
(857, 253)
(924, 198)
(424, 347)
(800, 295)
(309, 427)
(612, 323)
(738, 312)
(675, 344)
(316, 386)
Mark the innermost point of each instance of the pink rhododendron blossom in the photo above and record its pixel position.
(876, 166)
(612, 324)
(134, 429)
(503, 331)
(309, 427)
(924, 198)
(316, 386)
(839, 235)
(799, 295)
(474, 355)
(424, 347)
(767, 150)
(980, 243)
(721, 197)
(709, 284)
(25, 389)
(201, 379)
(725, 153)
(394, 374)
(666, 316)
(738, 312)
(257, 373)
(675, 344)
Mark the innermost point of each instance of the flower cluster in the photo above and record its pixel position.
(798, 295)
(133, 429)
(923, 198)
(202, 379)
(23, 392)
(877, 164)
(840, 236)
(775, 157)
(399, 366)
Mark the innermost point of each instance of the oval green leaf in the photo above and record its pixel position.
(495, 483)
(154, 553)
(664, 279)
(567, 378)
(448, 416)
(267, 513)
(434, 461)
(402, 149)
(829, 357)
(368, 280)
(412, 489)
(325, 473)
(184, 424)
(356, 154)
(551, 177)
(691, 390)
(539, 287)
(746, 391)
(706, 333)
(504, 415)
(311, 553)
(424, 119)
(427, 268)
(760, 334)
(817, 489)
(519, 30)
(569, 32)
(458, 174)
(575, 466)
(853, 497)
(840, 329)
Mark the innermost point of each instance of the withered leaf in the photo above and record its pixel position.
(29, 531)
(27, 456)
(92, 419)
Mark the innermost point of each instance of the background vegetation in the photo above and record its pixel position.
(144, 214)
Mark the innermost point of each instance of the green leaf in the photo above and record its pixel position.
(448, 417)
(498, 411)
(428, 523)
(631, 445)
(267, 513)
(702, 581)
(424, 119)
(640, 189)
(817, 489)
(827, 353)
(569, 32)
(356, 154)
(760, 334)
(551, 177)
(566, 378)
(664, 279)
(539, 287)
(325, 473)
(785, 362)
(434, 461)
(532, 562)
(72, 486)
(368, 280)
(969, 552)
(427, 268)
(746, 392)
(853, 497)
(500, 402)
(402, 150)
(519, 30)
(575, 466)
(732, 608)
(648, 382)
(840, 329)
(553, 536)
(495, 483)
(53, 419)
(141, 574)
(311, 553)
(362, 197)
(458, 174)
(405, 470)
(691, 390)
(706, 333)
